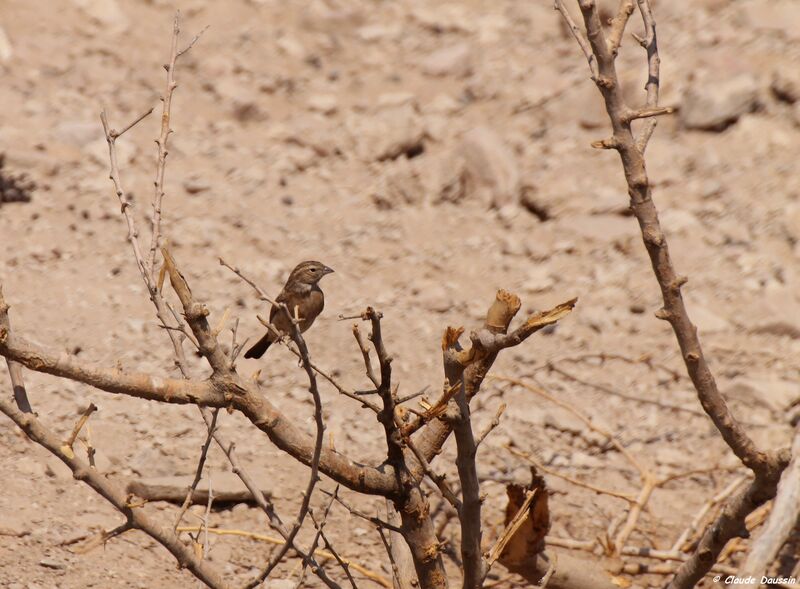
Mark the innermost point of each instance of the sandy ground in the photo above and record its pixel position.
(329, 130)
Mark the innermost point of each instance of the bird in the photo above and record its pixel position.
(304, 299)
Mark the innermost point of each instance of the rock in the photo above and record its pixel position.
(709, 105)
(434, 297)
(314, 132)
(607, 200)
(491, 175)
(601, 228)
(105, 12)
(379, 32)
(245, 101)
(580, 459)
(776, 393)
(706, 320)
(393, 99)
(325, 103)
(532, 202)
(79, 133)
(448, 185)
(539, 279)
(563, 420)
(6, 51)
(791, 222)
(678, 221)
(778, 329)
(388, 134)
(785, 85)
(442, 17)
(97, 150)
(772, 17)
(399, 185)
(292, 47)
(670, 456)
(455, 60)
(195, 184)
(331, 16)
(443, 104)
(50, 563)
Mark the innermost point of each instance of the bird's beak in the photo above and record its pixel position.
(327, 270)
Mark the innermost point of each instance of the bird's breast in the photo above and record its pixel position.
(312, 306)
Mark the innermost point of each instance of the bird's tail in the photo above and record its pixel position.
(261, 346)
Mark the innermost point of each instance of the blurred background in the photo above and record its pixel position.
(430, 153)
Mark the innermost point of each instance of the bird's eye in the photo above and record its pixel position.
(313, 269)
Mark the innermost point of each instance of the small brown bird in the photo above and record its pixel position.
(303, 298)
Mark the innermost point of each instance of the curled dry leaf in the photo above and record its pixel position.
(527, 542)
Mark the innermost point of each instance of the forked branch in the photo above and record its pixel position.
(766, 466)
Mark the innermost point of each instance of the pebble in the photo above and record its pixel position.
(327, 104)
(785, 85)
(6, 50)
(388, 134)
(490, 173)
(455, 60)
(713, 105)
(107, 13)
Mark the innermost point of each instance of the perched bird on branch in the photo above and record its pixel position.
(304, 299)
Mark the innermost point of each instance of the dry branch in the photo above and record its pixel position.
(14, 369)
(115, 494)
(766, 466)
(782, 520)
(487, 342)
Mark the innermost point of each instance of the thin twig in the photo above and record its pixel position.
(161, 142)
(70, 441)
(369, 574)
(198, 473)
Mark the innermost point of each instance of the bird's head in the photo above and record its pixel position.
(309, 272)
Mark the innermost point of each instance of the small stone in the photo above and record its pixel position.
(532, 202)
(455, 60)
(6, 51)
(393, 99)
(195, 184)
(291, 47)
(80, 133)
(325, 103)
(714, 105)
(785, 85)
(678, 221)
(491, 174)
(105, 12)
(398, 186)
(443, 104)
(388, 134)
(434, 297)
(776, 393)
(539, 279)
(601, 228)
(706, 320)
(772, 17)
(791, 222)
(379, 32)
(778, 329)
(49, 563)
